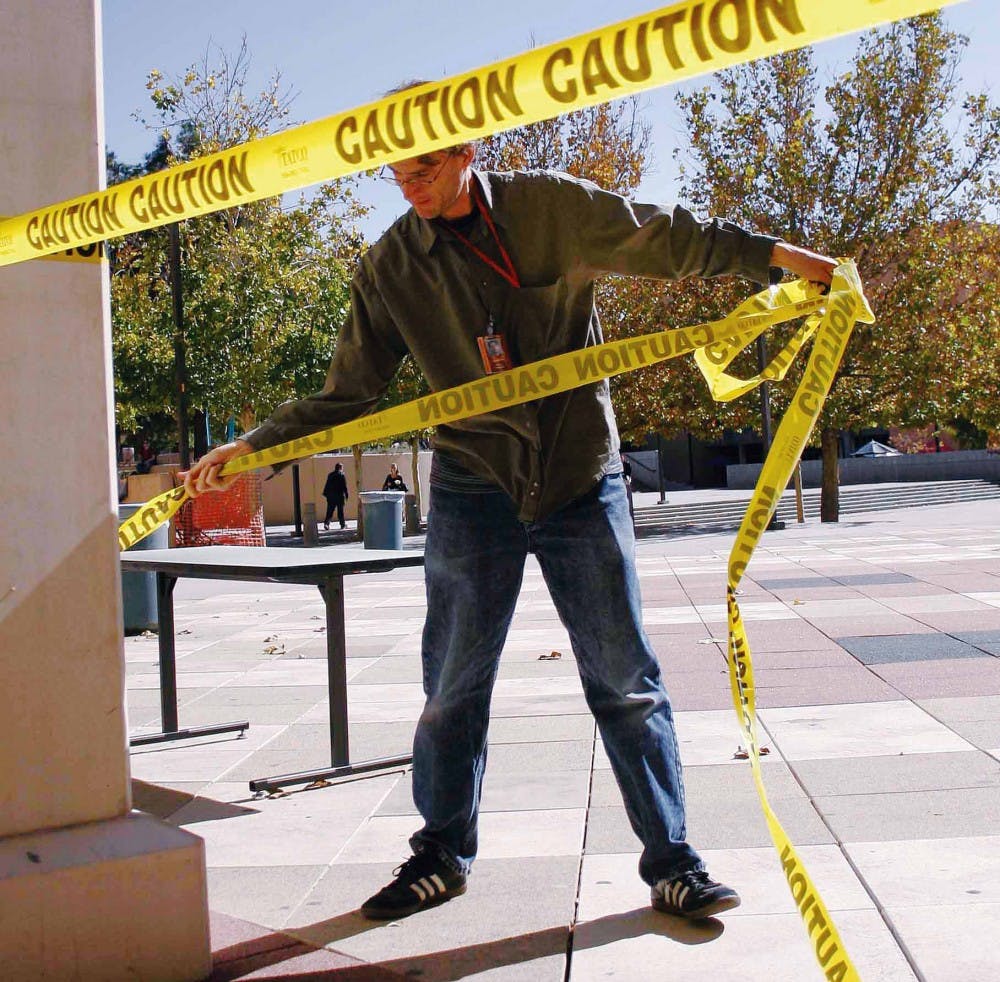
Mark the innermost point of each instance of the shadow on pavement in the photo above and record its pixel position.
(247, 958)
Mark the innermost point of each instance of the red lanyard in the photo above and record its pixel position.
(509, 274)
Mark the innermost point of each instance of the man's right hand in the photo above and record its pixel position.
(204, 475)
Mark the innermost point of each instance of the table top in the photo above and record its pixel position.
(280, 563)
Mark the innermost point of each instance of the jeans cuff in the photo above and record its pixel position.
(424, 846)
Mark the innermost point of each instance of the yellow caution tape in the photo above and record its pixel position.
(678, 42)
(831, 318)
(92, 253)
(713, 359)
(511, 388)
(847, 306)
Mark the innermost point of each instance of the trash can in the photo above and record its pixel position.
(412, 515)
(383, 517)
(139, 589)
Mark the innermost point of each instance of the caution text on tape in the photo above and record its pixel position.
(682, 41)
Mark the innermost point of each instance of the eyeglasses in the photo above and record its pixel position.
(420, 178)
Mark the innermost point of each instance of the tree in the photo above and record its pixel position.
(874, 172)
(608, 144)
(265, 285)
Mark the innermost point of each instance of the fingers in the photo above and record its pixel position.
(824, 271)
(205, 474)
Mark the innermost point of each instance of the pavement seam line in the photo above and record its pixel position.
(842, 848)
(571, 932)
(838, 841)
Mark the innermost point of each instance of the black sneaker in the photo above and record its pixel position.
(693, 894)
(422, 881)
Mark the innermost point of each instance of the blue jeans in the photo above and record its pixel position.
(474, 559)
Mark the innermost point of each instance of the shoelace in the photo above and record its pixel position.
(412, 867)
(692, 878)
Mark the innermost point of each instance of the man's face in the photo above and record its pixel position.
(436, 184)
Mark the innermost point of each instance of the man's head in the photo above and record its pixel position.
(338, 467)
(436, 184)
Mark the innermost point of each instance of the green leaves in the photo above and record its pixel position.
(265, 285)
(874, 170)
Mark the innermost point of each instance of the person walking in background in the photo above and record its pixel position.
(393, 480)
(487, 271)
(335, 492)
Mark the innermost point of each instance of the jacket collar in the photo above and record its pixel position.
(428, 232)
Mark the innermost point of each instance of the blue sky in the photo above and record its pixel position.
(337, 55)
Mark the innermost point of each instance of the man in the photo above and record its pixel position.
(335, 492)
(487, 271)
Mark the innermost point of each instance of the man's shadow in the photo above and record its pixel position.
(451, 964)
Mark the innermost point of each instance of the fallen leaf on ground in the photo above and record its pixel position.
(742, 754)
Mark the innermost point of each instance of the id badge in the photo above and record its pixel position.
(493, 350)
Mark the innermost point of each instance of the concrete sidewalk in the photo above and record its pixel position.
(876, 645)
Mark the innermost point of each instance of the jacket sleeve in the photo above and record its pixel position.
(368, 351)
(616, 235)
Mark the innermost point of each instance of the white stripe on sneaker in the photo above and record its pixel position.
(438, 882)
(418, 890)
(680, 897)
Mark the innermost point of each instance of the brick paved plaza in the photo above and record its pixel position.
(876, 645)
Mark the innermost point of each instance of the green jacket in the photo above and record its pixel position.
(419, 289)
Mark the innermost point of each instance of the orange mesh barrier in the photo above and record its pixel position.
(234, 517)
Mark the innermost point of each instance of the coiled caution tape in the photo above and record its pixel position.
(830, 319)
(847, 306)
(678, 42)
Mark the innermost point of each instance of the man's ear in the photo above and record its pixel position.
(468, 154)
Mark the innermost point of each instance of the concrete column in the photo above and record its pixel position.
(89, 890)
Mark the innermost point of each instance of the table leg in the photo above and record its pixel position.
(168, 653)
(165, 584)
(332, 590)
(336, 669)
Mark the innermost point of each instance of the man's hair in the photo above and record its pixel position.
(414, 83)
